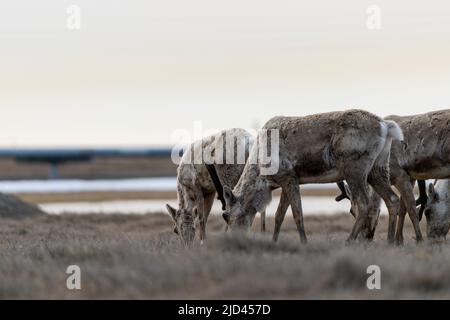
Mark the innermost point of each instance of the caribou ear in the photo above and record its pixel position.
(172, 212)
(228, 195)
(226, 217)
(432, 193)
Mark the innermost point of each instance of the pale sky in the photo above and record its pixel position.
(138, 70)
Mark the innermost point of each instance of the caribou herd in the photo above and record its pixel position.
(364, 154)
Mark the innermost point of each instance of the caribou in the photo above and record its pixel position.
(368, 229)
(352, 145)
(437, 209)
(424, 154)
(207, 165)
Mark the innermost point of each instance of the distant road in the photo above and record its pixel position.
(50, 155)
(85, 163)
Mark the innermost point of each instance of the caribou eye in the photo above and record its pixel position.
(226, 216)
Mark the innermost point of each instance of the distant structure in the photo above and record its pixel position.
(85, 163)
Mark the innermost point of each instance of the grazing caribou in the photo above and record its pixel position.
(207, 164)
(369, 227)
(437, 210)
(373, 212)
(352, 145)
(424, 154)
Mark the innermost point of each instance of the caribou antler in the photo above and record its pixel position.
(343, 194)
(216, 181)
(423, 198)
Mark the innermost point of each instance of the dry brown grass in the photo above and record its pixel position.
(95, 196)
(128, 256)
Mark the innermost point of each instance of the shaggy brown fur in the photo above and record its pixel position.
(351, 145)
(424, 155)
(196, 190)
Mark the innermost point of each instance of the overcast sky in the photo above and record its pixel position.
(138, 70)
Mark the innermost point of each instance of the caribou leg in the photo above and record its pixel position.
(280, 214)
(263, 221)
(293, 191)
(379, 180)
(401, 222)
(208, 203)
(360, 200)
(406, 190)
(200, 205)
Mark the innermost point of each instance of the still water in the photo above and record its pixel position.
(311, 204)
